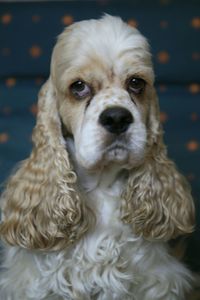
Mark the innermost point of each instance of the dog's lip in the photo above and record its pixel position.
(116, 146)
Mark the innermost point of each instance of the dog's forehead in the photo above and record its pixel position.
(110, 39)
(106, 46)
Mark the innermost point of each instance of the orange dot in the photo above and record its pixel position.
(196, 56)
(36, 18)
(34, 109)
(193, 146)
(7, 110)
(194, 117)
(67, 20)
(35, 51)
(196, 22)
(163, 117)
(132, 23)
(6, 51)
(3, 137)
(6, 19)
(10, 82)
(194, 88)
(191, 176)
(39, 80)
(163, 24)
(163, 57)
(162, 88)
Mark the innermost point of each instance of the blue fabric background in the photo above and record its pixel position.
(28, 33)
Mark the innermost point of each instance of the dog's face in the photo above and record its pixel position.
(103, 76)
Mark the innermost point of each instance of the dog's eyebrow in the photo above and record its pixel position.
(129, 50)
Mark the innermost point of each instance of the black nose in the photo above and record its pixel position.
(116, 119)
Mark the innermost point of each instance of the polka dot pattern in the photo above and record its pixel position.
(193, 146)
(194, 117)
(133, 23)
(196, 22)
(194, 88)
(39, 25)
(180, 116)
(35, 51)
(196, 55)
(5, 52)
(164, 24)
(10, 82)
(6, 19)
(34, 109)
(163, 57)
(4, 138)
(164, 117)
(67, 20)
(36, 18)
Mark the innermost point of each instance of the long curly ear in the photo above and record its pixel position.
(42, 207)
(157, 200)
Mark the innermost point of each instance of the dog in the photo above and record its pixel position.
(89, 214)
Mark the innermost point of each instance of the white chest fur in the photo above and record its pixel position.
(108, 263)
(101, 264)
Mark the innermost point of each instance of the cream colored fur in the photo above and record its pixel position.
(87, 216)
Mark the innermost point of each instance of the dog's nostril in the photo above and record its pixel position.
(116, 119)
(108, 121)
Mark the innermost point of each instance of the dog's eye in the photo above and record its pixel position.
(136, 85)
(80, 89)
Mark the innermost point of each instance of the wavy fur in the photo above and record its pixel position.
(42, 206)
(88, 214)
(158, 199)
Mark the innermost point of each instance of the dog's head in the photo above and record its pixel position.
(100, 93)
(103, 76)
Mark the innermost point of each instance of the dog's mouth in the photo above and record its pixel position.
(116, 153)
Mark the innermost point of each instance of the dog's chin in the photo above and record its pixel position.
(114, 155)
(123, 157)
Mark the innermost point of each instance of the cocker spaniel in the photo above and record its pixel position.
(88, 215)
